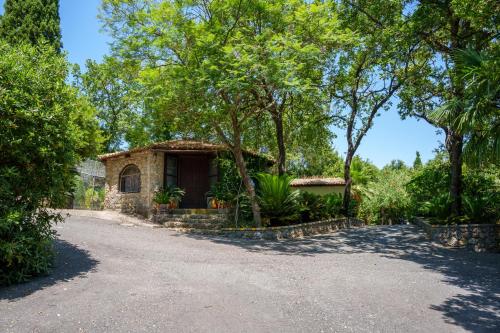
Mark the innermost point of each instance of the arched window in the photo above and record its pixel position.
(130, 179)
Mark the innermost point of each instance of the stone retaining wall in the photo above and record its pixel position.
(477, 237)
(292, 231)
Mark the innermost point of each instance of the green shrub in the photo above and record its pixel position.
(428, 189)
(312, 207)
(94, 198)
(230, 189)
(481, 198)
(26, 244)
(168, 194)
(277, 201)
(386, 200)
(46, 127)
(333, 204)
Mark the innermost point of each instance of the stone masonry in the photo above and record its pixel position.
(150, 164)
(477, 237)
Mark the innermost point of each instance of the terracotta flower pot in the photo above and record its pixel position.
(162, 208)
(173, 204)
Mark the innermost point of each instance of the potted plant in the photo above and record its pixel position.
(175, 195)
(168, 198)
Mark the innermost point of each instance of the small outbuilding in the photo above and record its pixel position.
(133, 176)
(319, 185)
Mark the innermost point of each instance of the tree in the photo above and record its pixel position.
(46, 129)
(213, 62)
(396, 165)
(479, 122)
(417, 163)
(365, 74)
(386, 199)
(447, 27)
(115, 95)
(31, 21)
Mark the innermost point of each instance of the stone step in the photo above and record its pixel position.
(187, 225)
(199, 231)
(199, 211)
(199, 216)
(190, 218)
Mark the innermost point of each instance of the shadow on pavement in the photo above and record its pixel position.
(478, 310)
(70, 262)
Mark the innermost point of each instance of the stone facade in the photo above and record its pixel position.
(477, 237)
(150, 164)
(292, 231)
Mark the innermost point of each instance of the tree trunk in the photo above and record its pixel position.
(278, 123)
(348, 182)
(455, 145)
(235, 146)
(240, 163)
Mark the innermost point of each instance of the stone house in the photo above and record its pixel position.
(133, 176)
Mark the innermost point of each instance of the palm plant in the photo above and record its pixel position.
(480, 121)
(277, 200)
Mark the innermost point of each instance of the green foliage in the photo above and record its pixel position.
(482, 195)
(112, 90)
(386, 200)
(480, 101)
(78, 190)
(429, 188)
(417, 163)
(31, 21)
(233, 70)
(315, 207)
(333, 204)
(229, 187)
(314, 160)
(430, 197)
(363, 171)
(396, 165)
(312, 207)
(277, 200)
(94, 198)
(46, 127)
(169, 194)
(26, 240)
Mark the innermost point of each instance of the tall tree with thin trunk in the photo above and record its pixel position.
(31, 21)
(366, 74)
(446, 28)
(222, 64)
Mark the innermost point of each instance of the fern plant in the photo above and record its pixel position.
(277, 200)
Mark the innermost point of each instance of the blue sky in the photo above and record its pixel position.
(390, 137)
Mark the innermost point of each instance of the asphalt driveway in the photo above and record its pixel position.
(115, 277)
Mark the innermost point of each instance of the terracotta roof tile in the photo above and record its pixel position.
(179, 145)
(317, 181)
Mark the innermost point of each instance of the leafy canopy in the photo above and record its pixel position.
(46, 129)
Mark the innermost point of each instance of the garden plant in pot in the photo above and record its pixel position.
(168, 198)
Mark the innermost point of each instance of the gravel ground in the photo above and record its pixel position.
(112, 276)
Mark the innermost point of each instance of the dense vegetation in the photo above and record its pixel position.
(46, 128)
(270, 76)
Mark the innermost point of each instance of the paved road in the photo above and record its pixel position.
(121, 278)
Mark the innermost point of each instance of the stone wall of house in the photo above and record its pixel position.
(292, 231)
(477, 237)
(150, 165)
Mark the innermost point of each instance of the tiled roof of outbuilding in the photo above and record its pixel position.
(179, 145)
(317, 181)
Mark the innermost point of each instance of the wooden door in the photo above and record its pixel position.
(193, 178)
